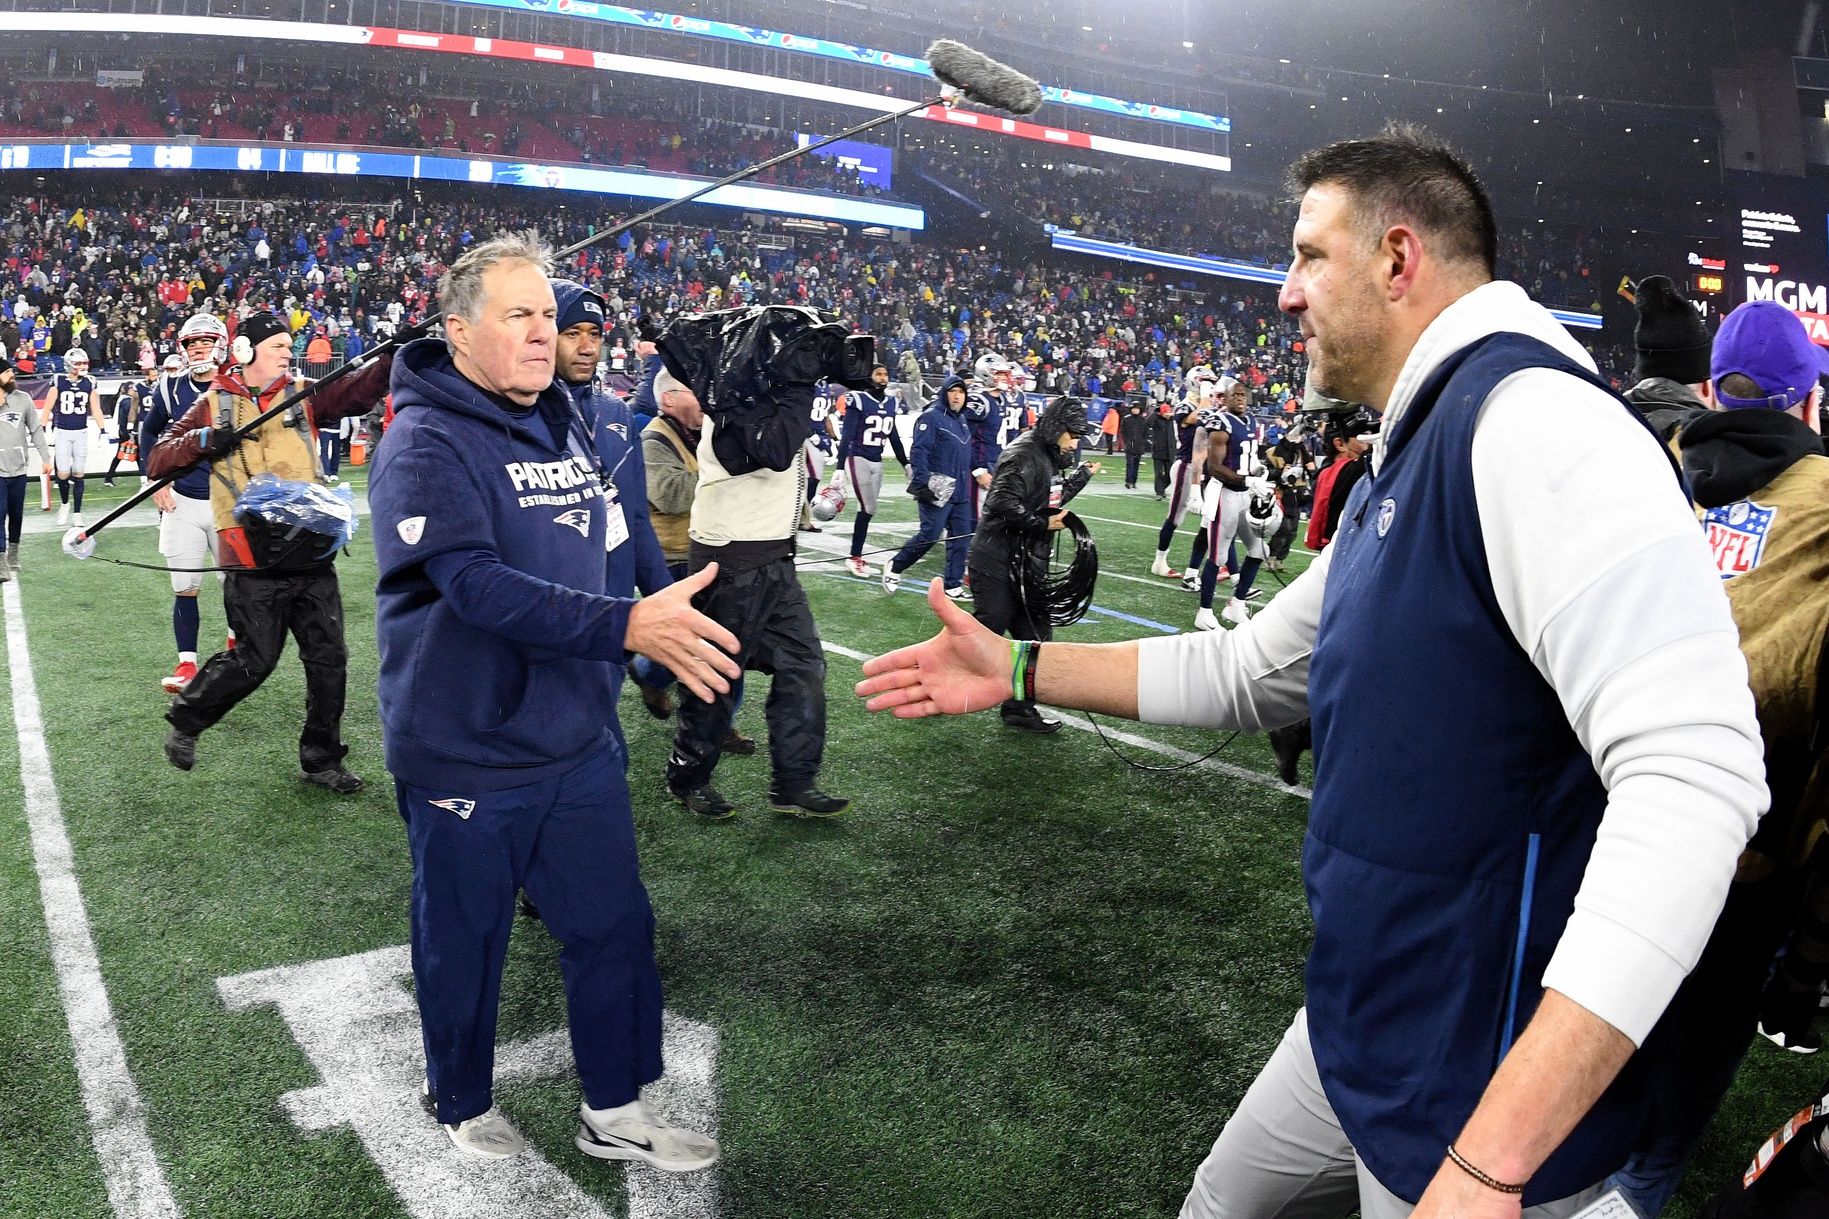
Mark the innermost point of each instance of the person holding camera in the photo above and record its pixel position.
(745, 517)
(942, 459)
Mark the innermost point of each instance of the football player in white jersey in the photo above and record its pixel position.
(68, 408)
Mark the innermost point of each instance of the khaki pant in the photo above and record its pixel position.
(1283, 1155)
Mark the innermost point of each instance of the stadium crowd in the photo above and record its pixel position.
(1174, 211)
(119, 282)
(382, 107)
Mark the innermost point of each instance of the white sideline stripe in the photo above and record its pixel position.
(355, 1019)
(1140, 742)
(117, 1116)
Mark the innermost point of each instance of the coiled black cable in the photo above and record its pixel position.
(1067, 590)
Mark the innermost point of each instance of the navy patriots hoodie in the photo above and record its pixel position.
(501, 655)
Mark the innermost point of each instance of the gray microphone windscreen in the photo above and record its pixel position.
(982, 79)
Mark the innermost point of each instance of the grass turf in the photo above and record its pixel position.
(1018, 978)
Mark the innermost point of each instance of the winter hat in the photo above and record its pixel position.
(577, 303)
(259, 327)
(1670, 338)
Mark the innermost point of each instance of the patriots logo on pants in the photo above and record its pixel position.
(576, 518)
(463, 808)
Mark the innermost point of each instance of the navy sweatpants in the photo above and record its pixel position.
(952, 520)
(570, 843)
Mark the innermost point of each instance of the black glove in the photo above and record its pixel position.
(924, 494)
(217, 442)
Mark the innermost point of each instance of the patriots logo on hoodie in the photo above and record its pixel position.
(576, 518)
(463, 808)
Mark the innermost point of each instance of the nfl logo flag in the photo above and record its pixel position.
(1736, 536)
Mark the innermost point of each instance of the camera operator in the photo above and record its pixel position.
(746, 520)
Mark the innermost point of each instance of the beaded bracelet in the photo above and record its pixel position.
(1462, 1163)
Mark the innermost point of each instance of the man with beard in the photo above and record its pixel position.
(1492, 942)
(20, 433)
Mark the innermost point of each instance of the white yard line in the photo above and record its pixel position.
(117, 1116)
(1130, 738)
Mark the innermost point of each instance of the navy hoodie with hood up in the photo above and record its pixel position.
(501, 655)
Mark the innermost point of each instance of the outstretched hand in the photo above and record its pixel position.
(694, 648)
(964, 668)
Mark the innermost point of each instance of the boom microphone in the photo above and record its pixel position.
(965, 73)
(982, 79)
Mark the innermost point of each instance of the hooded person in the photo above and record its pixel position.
(940, 461)
(1036, 475)
(1760, 479)
(502, 648)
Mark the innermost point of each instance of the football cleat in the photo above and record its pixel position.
(76, 518)
(1205, 621)
(892, 579)
(1236, 613)
(1161, 568)
(858, 567)
(63, 515)
(1255, 594)
(1190, 582)
(179, 678)
(958, 593)
(637, 1134)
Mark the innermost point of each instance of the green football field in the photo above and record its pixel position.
(1019, 978)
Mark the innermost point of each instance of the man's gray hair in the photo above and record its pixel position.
(460, 288)
(664, 382)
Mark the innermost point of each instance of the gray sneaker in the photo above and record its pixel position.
(488, 1136)
(644, 1137)
(12, 559)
